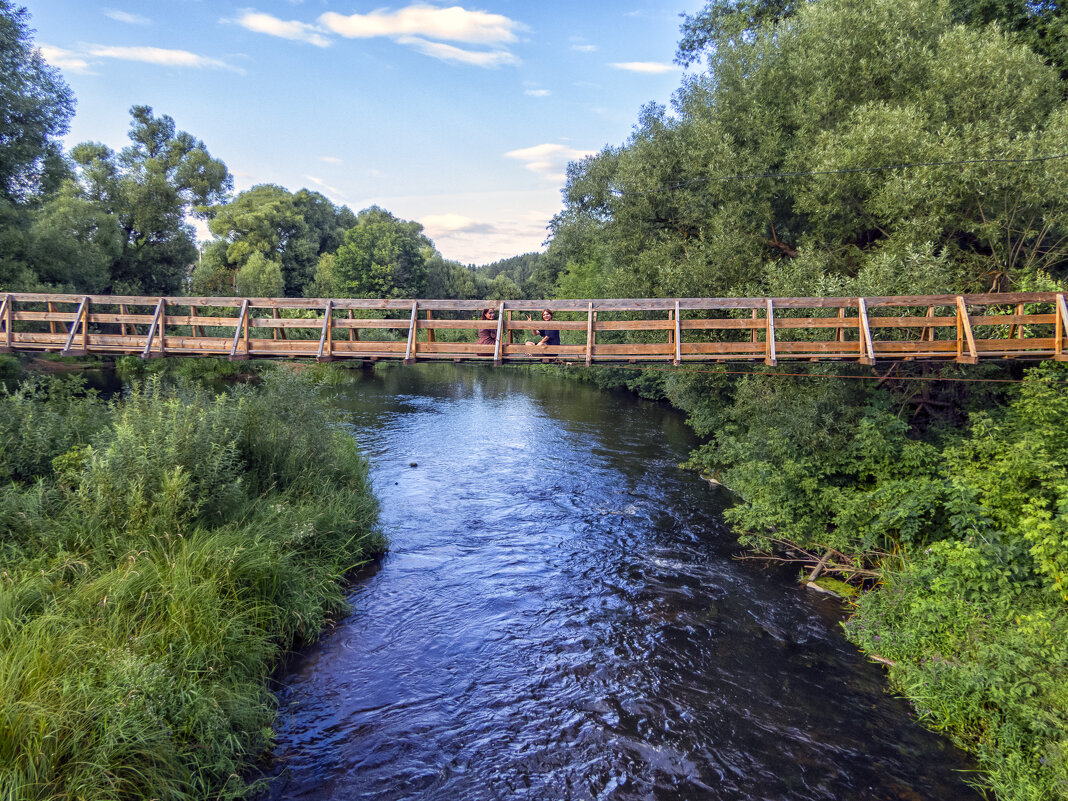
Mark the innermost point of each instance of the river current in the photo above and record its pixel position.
(560, 616)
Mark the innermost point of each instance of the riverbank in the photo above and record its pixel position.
(161, 552)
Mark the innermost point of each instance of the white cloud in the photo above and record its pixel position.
(584, 48)
(127, 17)
(330, 159)
(446, 52)
(325, 186)
(162, 57)
(285, 29)
(537, 92)
(645, 67)
(454, 24)
(446, 225)
(65, 59)
(548, 160)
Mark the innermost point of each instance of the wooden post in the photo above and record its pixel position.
(678, 336)
(85, 327)
(867, 347)
(276, 316)
(839, 335)
(927, 332)
(326, 339)
(1061, 319)
(409, 355)
(500, 333)
(162, 326)
(753, 328)
(511, 337)
(429, 331)
(51, 322)
(79, 317)
(770, 357)
(122, 325)
(671, 331)
(352, 331)
(242, 325)
(5, 318)
(147, 352)
(964, 325)
(589, 336)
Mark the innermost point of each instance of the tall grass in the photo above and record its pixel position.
(154, 569)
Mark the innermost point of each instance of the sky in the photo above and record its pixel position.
(462, 117)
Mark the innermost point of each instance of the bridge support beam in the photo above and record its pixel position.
(964, 335)
(81, 318)
(1062, 330)
(6, 317)
(867, 347)
(770, 357)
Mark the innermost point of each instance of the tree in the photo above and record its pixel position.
(382, 257)
(260, 277)
(150, 187)
(293, 229)
(36, 107)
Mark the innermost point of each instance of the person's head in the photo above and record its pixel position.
(546, 315)
(487, 314)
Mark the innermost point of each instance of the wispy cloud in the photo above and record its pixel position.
(330, 159)
(453, 24)
(548, 160)
(537, 92)
(447, 52)
(65, 59)
(162, 57)
(584, 48)
(645, 67)
(126, 16)
(325, 186)
(284, 29)
(443, 225)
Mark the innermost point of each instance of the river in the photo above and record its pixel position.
(560, 616)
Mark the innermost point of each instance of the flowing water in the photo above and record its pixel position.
(560, 617)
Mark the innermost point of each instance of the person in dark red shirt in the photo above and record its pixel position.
(487, 336)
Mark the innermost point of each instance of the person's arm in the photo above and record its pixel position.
(544, 339)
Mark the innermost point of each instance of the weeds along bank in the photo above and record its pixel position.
(949, 497)
(158, 553)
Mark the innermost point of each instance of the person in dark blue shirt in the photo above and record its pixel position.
(548, 337)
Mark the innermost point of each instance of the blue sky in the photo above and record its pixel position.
(459, 116)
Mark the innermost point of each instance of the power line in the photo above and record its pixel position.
(672, 187)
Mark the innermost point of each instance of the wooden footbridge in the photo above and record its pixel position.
(964, 328)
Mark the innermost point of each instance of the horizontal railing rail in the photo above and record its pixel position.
(963, 328)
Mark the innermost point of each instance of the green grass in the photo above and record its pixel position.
(157, 563)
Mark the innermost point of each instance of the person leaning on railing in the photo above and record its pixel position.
(487, 336)
(548, 337)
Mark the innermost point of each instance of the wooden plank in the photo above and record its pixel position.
(409, 354)
(353, 333)
(79, 317)
(51, 319)
(238, 329)
(867, 349)
(497, 344)
(963, 323)
(326, 350)
(147, 352)
(839, 335)
(769, 337)
(429, 328)
(678, 337)
(753, 328)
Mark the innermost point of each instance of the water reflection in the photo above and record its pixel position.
(559, 618)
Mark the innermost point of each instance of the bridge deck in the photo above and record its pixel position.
(964, 328)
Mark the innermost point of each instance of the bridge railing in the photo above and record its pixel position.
(964, 328)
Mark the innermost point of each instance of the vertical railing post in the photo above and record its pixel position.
(51, 323)
(1061, 321)
(589, 335)
(770, 357)
(867, 347)
(79, 317)
(429, 331)
(85, 326)
(122, 322)
(147, 352)
(678, 336)
(500, 332)
(242, 319)
(409, 355)
(5, 317)
(326, 339)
